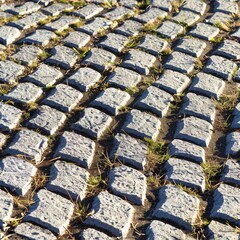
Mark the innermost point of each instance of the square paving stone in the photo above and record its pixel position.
(62, 56)
(10, 71)
(226, 6)
(28, 143)
(220, 17)
(111, 100)
(231, 172)
(118, 13)
(151, 15)
(50, 211)
(177, 206)
(172, 81)
(69, 179)
(139, 61)
(128, 3)
(89, 11)
(194, 130)
(111, 213)
(76, 148)
(47, 119)
(16, 174)
(141, 125)
(130, 151)
(163, 4)
(6, 205)
(129, 28)
(183, 172)
(195, 6)
(76, 39)
(9, 34)
(207, 85)
(181, 62)
(44, 76)
(57, 8)
(83, 79)
(92, 122)
(233, 143)
(63, 97)
(26, 8)
(91, 233)
(128, 183)
(226, 204)
(186, 17)
(204, 31)
(221, 67)
(155, 100)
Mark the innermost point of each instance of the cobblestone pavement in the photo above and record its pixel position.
(119, 119)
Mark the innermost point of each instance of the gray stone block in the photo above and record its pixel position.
(163, 4)
(128, 3)
(151, 15)
(26, 8)
(9, 34)
(50, 211)
(57, 8)
(129, 28)
(226, 7)
(233, 143)
(186, 17)
(91, 233)
(76, 39)
(220, 17)
(118, 13)
(231, 172)
(89, 11)
(43, 2)
(195, 6)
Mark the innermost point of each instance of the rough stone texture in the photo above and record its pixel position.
(32, 232)
(183, 149)
(226, 204)
(226, 6)
(118, 13)
(141, 125)
(16, 174)
(151, 15)
(155, 100)
(91, 233)
(186, 17)
(172, 81)
(195, 6)
(163, 4)
(128, 183)
(26, 8)
(51, 211)
(219, 17)
(111, 100)
(9, 34)
(56, 8)
(99, 58)
(233, 143)
(128, 3)
(49, 120)
(29, 144)
(111, 213)
(130, 151)
(92, 122)
(194, 130)
(177, 206)
(231, 172)
(139, 61)
(76, 39)
(9, 117)
(129, 28)
(6, 205)
(63, 97)
(89, 11)
(76, 148)
(83, 79)
(68, 179)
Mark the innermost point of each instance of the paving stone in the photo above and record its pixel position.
(76, 39)
(6, 204)
(56, 8)
(99, 59)
(195, 6)
(205, 31)
(128, 183)
(170, 29)
(43, 2)
(62, 56)
(83, 79)
(236, 33)
(50, 211)
(3, 139)
(194, 130)
(151, 15)
(129, 28)
(111, 213)
(118, 13)
(191, 46)
(114, 42)
(128, 3)
(124, 78)
(92, 122)
(186, 17)
(226, 6)
(163, 4)
(207, 85)
(183, 149)
(76, 148)
(24, 93)
(198, 106)
(226, 204)
(231, 172)
(26, 8)
(180, 171)
(5, 15)
(91, 233)
(10, 116)
(141, 125)
(89, 11)
(16, 174)
(63, 97)
(28, 143)
(233, 143)
(130, 151)
(148, 43)
(216, 230)
(221, 67)
(68, 179)
(181, 62)
(32, 232)
(40, 37)
(111, 100)
(155, 100)
(47, 119)
(219, 17)
(139, 61)
(44, 76)
(177, 206)
(229, 49)
(172, 82)
(9, 34)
